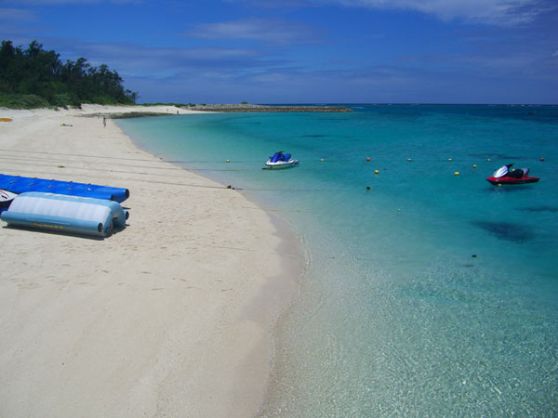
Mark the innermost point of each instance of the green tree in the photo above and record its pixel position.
(37, 72)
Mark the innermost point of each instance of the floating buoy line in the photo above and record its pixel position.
(139, 164)
(234, 166)
(232, 161)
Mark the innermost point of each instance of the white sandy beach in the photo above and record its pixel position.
(170, 317)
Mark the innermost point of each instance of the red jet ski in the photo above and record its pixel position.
(506, 176)
(512, 180)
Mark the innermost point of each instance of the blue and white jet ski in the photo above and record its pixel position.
(280, 160)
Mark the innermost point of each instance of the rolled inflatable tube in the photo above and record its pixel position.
(55, 223)
(73, 214)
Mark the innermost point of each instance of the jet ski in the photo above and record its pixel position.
(6, 198)
(505, 175)
(280, 160)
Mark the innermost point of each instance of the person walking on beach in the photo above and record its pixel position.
(104, 122)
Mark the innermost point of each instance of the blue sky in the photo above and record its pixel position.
(306, 51)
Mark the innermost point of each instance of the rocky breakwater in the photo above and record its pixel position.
(266, 108)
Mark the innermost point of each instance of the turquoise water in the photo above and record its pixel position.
(429, 294)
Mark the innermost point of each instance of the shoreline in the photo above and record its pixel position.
(290, 248)
(141, 344)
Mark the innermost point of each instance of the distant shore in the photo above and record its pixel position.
(172, 316)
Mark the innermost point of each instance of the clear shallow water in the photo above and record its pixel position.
(396, 316)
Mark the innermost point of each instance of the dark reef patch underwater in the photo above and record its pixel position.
(506, 230)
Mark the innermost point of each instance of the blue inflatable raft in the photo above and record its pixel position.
(62, 213)
(18, 184)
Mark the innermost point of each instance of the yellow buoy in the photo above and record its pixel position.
(474, 166)
(409, 159)
(450, 159)
(376, 171)
(227, 161)
(456, 173)
(322, 160)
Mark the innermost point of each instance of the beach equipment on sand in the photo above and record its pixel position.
(6, 199)
(6, 119)
(18, 184)
(62, 213)
(280, 160)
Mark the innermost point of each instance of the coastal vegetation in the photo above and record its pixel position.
(34, 77)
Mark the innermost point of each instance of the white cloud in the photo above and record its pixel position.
(254, 29)
(162, 62)
(7, 14)
(500, 12)
(497, 12)
(68, 2)
(14, 24)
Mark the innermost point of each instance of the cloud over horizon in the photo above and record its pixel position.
(13, 14)
(494, 12)
(136, 59)
(500, 12)
(13, 22)
(257, 29)
(65, 2)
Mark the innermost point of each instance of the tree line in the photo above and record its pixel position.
(34, 77)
